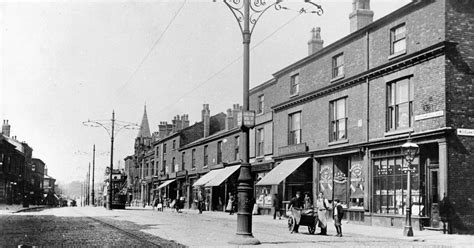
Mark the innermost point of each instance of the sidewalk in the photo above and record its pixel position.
(265, 223)
(15, 208)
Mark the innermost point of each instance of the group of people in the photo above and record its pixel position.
(322, 205)
(160, 203)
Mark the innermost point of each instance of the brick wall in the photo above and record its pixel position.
(460, 111)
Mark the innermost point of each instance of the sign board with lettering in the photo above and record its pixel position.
(429, 115)
(465, 132)
(246, 119)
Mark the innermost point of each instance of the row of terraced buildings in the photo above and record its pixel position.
(334, 122)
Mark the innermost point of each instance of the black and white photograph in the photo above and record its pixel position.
(237, 123)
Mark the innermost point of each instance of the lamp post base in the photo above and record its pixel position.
(244, 239)
(408, 231)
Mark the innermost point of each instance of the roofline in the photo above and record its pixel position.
(39, 160)
(262, 86)
(210, 139)
(374, 25)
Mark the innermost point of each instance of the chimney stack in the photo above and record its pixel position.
(315, 43)
(361, 15)
(185, 120)
(6, 128)
(229, 120)
(206, 119)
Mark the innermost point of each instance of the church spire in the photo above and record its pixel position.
(144, 131)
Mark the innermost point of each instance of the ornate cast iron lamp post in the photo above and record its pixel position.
(247, 13)
(409, 150)
(109, 126)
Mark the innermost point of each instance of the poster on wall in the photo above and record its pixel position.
(325, 181)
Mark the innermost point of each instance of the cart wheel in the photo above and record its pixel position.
(291, 223)
(312, 229)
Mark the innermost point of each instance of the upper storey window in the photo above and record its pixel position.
(295, 84)
(261, 104)
(338, 66)
(398, 39)
(400, 96)
(338, 128)
(294, 132)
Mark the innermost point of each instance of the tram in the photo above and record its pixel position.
(119, 189)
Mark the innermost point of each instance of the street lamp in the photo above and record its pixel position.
(409, 150)
(247, 13)
(109, 126)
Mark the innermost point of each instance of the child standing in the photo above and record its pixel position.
(338, 214)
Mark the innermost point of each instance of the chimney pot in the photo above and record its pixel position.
(315, 43)
(361, 15)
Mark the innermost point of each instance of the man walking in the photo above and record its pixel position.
(276, 204)
(338, 215)
(322, 207)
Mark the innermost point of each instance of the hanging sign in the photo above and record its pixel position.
(465, 132)
(246, 119)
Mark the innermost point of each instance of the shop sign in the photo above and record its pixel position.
(246, 119)
(465, 132)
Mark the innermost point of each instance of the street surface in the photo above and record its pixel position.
(142, 227)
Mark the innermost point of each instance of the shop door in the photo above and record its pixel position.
(433, 196)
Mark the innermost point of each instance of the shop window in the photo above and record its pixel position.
(400, 96)
(356, 186)
(390, 185)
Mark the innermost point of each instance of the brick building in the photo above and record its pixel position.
(341, 114)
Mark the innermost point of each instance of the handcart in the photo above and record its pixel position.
(303, 217)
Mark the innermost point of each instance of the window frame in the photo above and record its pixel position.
(206, 156)
(394, 39)
(292, 138)
(392, 110)
(193, 159)
(334, 121)
(237, 148)
(337, 69)
(219, 152)
(295, 84)
(260, 141)
(260, 104)
(183, 160)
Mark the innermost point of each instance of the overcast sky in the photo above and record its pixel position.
(64, 62)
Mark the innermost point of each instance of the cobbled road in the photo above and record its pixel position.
(54, 231)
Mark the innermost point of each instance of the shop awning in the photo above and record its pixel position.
(206, 178)
(166, 183)
(222, 176)
(282, 171)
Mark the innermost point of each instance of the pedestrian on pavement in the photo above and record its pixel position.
(276, 205)
(322, 205)
(307, 201)
(338, 215)
(200, 201)
(296, 205)
(230, 204)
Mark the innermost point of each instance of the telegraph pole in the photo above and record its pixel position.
(93, 173)
(88, 184)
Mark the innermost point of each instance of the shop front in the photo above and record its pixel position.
(288, 177)
(342, 176)
(216, 186)
(389, 187)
